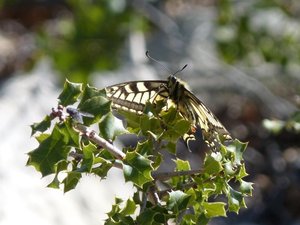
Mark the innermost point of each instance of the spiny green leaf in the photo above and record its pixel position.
(110, 126)
(102, 169)
(54, 183)
(71, 181)
(172, 134)
(41, 126)
(237, 149)
(70, 93)
(132, 120)
(137, 168)
(171, 147)
(178, 201)
(50, 151)
(208, 188)
(97, 106)
(235, 200)
(182, 165)
(246, 187)
(156, 215)
(144, 148)
(129, 208)
(90, 92)
(157, 161)
(242, 172)
(188, 219)
(61, 166)
(118, 216)
(41, 137)
(176, 125)
(229, 168)
(150, 124)
(88, 157)
(214, 209)
(73, 135)
(212, 165)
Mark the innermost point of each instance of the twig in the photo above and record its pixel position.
(167, 175)
(93, 136)
(183, 186)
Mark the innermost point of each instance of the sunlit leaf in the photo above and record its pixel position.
(51, 151)
(182, 165)
(70, 93)
(214, 209)
(129, 207)
(71, 181)
(212, 165)
(41, 126)
(137, 168)
(235, 200)
(178, 201)
(110, 126)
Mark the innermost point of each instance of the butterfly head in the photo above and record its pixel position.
(172, 80)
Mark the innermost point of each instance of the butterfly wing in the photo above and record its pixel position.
(195, 111)
(133, 96)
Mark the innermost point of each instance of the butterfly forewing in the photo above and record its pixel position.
(133, 96)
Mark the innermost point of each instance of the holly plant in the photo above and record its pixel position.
(78, 136)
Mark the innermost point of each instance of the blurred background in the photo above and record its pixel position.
(243, 62)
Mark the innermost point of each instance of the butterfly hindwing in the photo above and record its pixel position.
(210, 125)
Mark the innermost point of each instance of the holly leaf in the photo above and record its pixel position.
(52, 150)
(70, 93)
(97, 106)
(71, 181)
(237, 149)
(110, 127)
(214, 209)
(129, 208)
(137, 168)
(178, 201)
(90, 92)
(212, 164)
(61, 166)
(246, 187)
(156, 215)
(144, 148)
(41, 126)
(88, 157)
(182, 165)
(235, 200)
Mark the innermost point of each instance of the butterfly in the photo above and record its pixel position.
(132, 96)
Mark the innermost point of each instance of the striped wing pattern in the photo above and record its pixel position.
(195, 111)
(132, 97)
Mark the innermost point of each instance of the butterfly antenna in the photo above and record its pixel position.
(178, 71)
(148, 55)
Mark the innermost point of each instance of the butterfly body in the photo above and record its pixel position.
(133, 96)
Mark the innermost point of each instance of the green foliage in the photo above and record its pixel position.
(137, 169)
(89, 37)
(64, 147)
(292, 124)
(245, 33)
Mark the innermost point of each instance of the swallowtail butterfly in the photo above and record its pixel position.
(132, 96)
